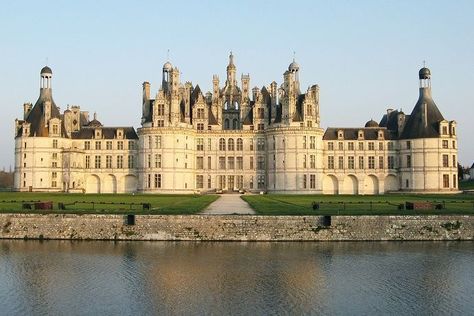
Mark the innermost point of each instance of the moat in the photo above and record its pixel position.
(148, 278)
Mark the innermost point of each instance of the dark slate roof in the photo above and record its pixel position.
(211, 118)
(390, 120)
(94, 123)
(150, 104)
(371, 123)
(423, 123)
(472, 167)
(278, 114)
(46, 70)
(36, 115)
(298, 115)
(107, 133)
(353, 133)
(248, 120)
(195, 94)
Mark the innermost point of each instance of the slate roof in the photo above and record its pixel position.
(424, 110)
(107, 133)
(370, 133)
(36, 116)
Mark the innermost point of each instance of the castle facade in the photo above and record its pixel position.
(234, 138)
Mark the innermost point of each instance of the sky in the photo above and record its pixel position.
(364, 55)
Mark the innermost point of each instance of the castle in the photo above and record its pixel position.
(234, 138)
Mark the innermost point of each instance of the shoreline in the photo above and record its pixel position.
(236, 227)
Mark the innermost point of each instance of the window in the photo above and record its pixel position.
(260, 144)
(157, 142)
(97, 162)
(226, 124)
(305, 180)
(304, 142)
(222, 144)
(240, 182)
(350, 146)
(149, 181)
(209, 144)
(200, 113)
(240, 144)
(200, 126)
(340, 162)
(260, 127)
(88, 162)
(120, 145)
(361, 145)
(54, 184)
(261, 113)
(350, 162)
(157, 180)
(312, 142)
(149, 141)
(160, 123)
(240, 163)
(209, 182)
(408, 161)
(390, 145)
(312, 161)
(455, 162)
(230, 163)
(391, 162)
(230, 144)
(381, 162)
(251, 162)
(454, 144)
(148, 161)
(120, 162)
(261, 163)
(408, 143)
(222, 163)
(108, 161)
(380, 146)
(55, 143)
(312, 181)
(330, 162)
(330, 146)
(371, 162)
(445, 132)
(55, 129)
(131, 145)
(251, 144)
(304, 161)
(209, 162)
(361, 162)
(261, 182)
(108, 145)
(157, 161)
(340, 146)
(55, 156)
(371, 146)
(161, 109)
(98, 145)
(131, 162)
(445, 180)
(454, 181)
(199, 181)
(87, 145)
(54, 175)
(251, 182)
(200, 144)
(445, 161)
(445, 144)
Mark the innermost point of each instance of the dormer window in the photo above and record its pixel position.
(380, 134)
(445, 130)
(340, 134)
(361, 134)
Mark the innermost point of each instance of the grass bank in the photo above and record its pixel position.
(13, 202)
(274, 204)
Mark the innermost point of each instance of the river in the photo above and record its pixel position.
(217, 278)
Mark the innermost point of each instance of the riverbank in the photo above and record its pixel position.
(235, 228)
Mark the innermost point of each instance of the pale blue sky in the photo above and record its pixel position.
(365, 55)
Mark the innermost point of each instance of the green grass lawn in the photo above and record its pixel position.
(466, 185)
(12, 202)
(273, 204)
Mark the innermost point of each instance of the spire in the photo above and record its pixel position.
(231, 61)
(231, 69)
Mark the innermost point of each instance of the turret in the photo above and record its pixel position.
(231, 69)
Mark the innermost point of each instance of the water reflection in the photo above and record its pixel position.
(148, 278)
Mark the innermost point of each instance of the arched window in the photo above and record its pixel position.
(226, 124)
(221, 144)
(230, 144)
(240, 144)
(235, 124)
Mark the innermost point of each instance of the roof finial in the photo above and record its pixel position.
(424, 63)
(95, 115)
(168, 55)
(294, 54)
(46, 61)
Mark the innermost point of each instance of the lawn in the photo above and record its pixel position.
(466, 185)
(12, 202)
(273, 204)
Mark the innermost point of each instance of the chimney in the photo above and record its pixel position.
(26, 110)
(146, 91)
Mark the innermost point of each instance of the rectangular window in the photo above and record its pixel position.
(261, 163)
(380, 146)
(200, 113)
(261, 181)
(161, 109)
(445, 180)
(55, 156)
(340, 146)
(108, 145)
(361, 162)
(157, 180)
(445, 144)
(160, 123)
(445, 132)
(108, 161)
(251, 162)
(54, 164)
(454, 181)
(305, 180)
(209, 162)
(455, 162)
(209, 182)
(199, 181)
(148, 161)
(408, 161)
(381, 162)
(260, 144)
(240, 163)
(251, 144)
(445, 161)
(222, 163)
(371, 162)
(98, 145)
(120, 145)
(312, 161)
(330, 162)
(408, 143)
(157, 161)
(350, 162)
(391, 162)
(261, 113)
(158, 142)
(371, 146)
(330, 146)
(304, 161)
(361, 145)
(350, 146)
(340, 162)
(131, 163)
(200, 126)
(88, 162)
(119, 162)
(149, 181)
(230, 163)
(454, 144)
(97, 162)
(54, 175)
(261, 127)
(200, 144)
(54, 184)
(390, 145)
(304, 142)
(312, 181)
(209, 144)
(87, 145)
(312, 142)
(131, 145)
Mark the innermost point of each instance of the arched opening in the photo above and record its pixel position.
(93, 184)
(371, 185)
(350, 185)
(226, 124)
(391, 184)
(130, 183)
(330, 185)
(110, 184)
(235, 124)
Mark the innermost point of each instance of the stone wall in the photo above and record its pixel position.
(236, 228)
